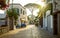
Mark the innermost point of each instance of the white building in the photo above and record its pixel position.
(51, 22)
(21, 10)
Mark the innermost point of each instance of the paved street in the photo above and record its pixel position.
(29, 32)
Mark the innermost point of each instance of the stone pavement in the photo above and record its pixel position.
(29, 32)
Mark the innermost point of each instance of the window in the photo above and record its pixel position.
(21, 11)
(17, 10)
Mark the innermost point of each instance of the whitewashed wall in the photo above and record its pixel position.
(45, 19)
(48, 22)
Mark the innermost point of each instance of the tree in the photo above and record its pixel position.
(36, 21)
(13, 15)
(32, 7)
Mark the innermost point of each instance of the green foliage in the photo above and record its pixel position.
(48, 7)
(36, 18)
(12, 13)
(43, 10)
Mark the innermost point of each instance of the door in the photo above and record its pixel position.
(55, 26)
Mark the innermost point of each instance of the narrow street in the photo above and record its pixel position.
(29, 32)
(17, 15)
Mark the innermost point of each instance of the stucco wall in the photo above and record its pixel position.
(58, 4)
(48, 22)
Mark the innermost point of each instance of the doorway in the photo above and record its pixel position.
(55, 26)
